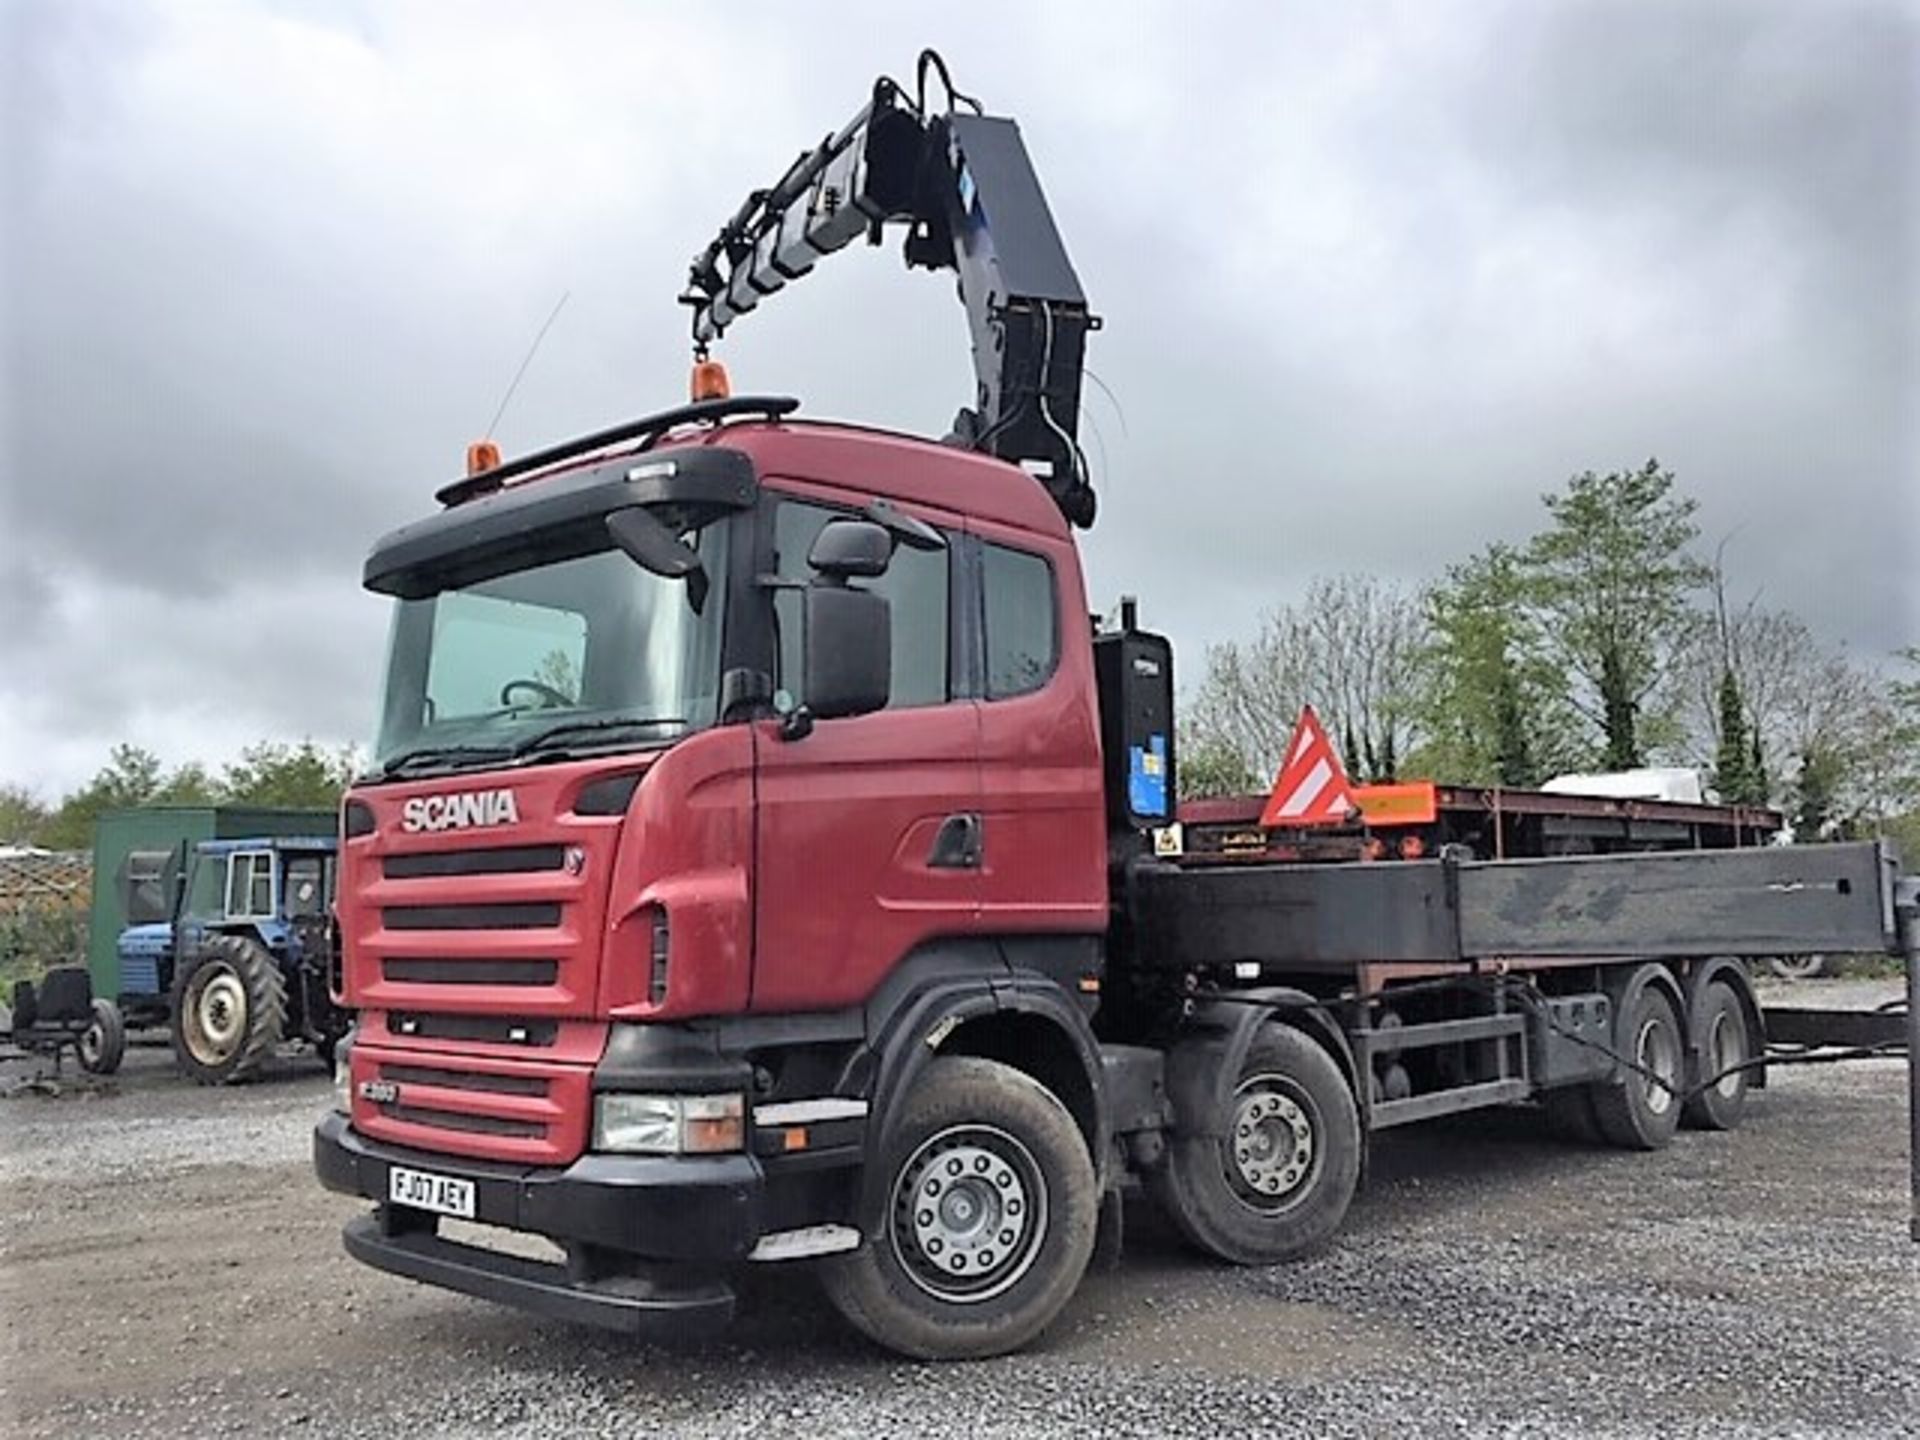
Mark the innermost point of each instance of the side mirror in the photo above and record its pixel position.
(849, 649)
(850, 550)
(652, 546)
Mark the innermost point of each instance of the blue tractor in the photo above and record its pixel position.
(244, 962)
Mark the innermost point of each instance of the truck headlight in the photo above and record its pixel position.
(669, 1124)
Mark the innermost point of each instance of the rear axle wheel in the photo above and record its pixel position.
(1642, 1110)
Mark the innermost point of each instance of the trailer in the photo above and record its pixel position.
(837, 932)
(1408, 820)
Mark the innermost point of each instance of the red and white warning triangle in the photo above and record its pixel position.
(1312, 787)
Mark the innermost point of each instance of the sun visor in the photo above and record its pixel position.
(557, 518)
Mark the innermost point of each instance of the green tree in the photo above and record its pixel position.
(1816, 790)
(1612, 577)
(1736, 770)
(1210, 767)
(1347, 649)
(297, 777)
(1494, 700)
(23, 818)
(131, 777)
(189, 784)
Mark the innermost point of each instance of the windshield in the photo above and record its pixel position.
(588, 650)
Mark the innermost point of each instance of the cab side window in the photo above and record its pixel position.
(916, 584)
(1022, 620)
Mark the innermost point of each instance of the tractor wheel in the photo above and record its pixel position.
(1271, 1177)
(103, 1044)
(986, 1223)
(229, 1009)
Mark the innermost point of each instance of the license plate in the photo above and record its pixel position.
(441, 1194)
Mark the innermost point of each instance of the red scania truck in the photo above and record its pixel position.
(757, 864)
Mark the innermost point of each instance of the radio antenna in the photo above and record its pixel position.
(532, 350)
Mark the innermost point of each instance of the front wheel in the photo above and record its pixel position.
(103, 1044)
(986, 1220)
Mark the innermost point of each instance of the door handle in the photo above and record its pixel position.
(957, 845)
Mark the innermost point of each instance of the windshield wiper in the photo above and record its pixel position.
(558, 735)
(410, 760)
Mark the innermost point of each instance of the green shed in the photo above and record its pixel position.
(133, 855)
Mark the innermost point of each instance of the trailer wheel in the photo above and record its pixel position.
(1271, 1177)
(1725, 1041)
(986, 1223)
(103, 1044)
(1640, 1113)
(229, 1009)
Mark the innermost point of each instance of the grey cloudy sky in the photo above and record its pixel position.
(1373, 278)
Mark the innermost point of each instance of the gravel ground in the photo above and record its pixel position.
(168, 1267)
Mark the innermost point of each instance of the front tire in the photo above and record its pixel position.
(103, 1044)
(1271, 1178)
(229, 1010)
(986, 1221)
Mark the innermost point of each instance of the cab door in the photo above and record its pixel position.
(868, 828)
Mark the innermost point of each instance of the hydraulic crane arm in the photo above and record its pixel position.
(963, 187)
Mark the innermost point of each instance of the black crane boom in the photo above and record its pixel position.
(965, 190)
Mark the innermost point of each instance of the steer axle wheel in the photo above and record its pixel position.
(986, 1221)
(229, 1009)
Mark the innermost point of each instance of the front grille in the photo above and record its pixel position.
(481, 1029)
(502, 860)
(140, 975)
(421, 971)
(539, 916)
(527, 1106)
(476, 1080)
(465, 1123)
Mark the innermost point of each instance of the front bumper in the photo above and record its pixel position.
(647, 1237)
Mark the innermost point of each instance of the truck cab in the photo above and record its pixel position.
(664, 860)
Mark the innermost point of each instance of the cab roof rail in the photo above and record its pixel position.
(647, 430)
